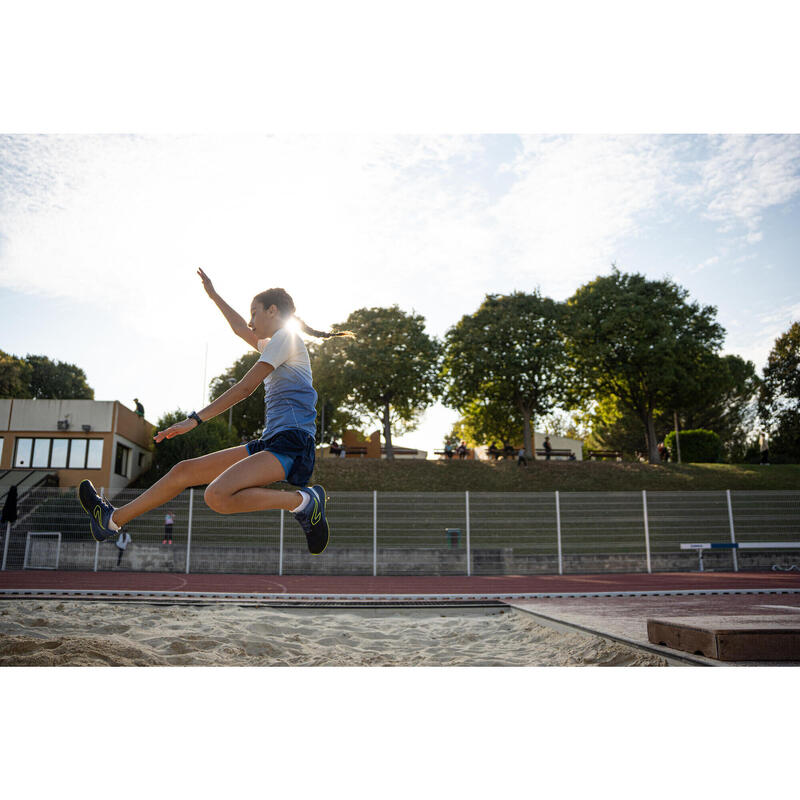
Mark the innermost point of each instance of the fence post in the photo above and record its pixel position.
(733, 532)
(5, 544)
(558, 533)
(646, 529)
(469, 557)
(374, 532)
(280, 548)
(189, 531)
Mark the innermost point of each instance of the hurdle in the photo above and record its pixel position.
(701, 546)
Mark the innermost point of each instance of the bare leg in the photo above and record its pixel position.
(240, 487)
(192, 472)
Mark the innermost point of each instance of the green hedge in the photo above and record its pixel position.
(699, 446)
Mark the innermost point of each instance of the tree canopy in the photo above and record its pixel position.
(209, 437)
(40, 377)
(642, 342)
(388, 373)
(248, 415)
(779, 398)
(507, 359)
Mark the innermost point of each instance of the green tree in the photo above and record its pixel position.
(779, 398)
(639, 341)
(484, 422)
(209, 437)
(507, 358)
(330, 382)
(722, 401)
(58, 379)
(247, 416)
(389, 370)
(15, 376)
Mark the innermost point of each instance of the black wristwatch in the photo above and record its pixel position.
(194, 416)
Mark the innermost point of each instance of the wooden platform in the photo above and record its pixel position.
(729, 640)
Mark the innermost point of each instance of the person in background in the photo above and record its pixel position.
(522, 461)
(763, 444)
(548, 448)
(448, 450)
(169, 521)
(335, 449)
(139, 408)
(493, 451)
(462, 450)
(123, 540)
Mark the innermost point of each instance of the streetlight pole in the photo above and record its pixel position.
(231, 382)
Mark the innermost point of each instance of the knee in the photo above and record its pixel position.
(180, 471)
(217, 500)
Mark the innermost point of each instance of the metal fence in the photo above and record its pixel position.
(394, 533)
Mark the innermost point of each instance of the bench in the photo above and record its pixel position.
(554, 453)
(595, 454)
(700, 546)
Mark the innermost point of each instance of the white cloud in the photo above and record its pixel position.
(754, 336)
(746, 175)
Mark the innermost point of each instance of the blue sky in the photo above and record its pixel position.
(100, 237)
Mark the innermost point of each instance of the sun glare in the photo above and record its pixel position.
(293, 326)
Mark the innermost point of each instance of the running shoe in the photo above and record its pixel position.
(312, 519)
(99, 511)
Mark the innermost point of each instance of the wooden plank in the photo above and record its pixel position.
(729, 642)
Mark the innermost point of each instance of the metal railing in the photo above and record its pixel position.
(393, 533)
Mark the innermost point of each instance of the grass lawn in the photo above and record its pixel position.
(362, 474)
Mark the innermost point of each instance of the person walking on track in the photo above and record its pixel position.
(236, 477)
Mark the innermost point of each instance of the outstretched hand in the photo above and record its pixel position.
(178, 429)
(207, 285)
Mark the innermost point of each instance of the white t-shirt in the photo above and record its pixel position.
(289, 397)
(123, 540)
(169, 519)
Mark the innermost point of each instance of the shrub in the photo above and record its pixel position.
(696, 446)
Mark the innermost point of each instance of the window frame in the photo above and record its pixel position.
(70, 440)
(126, 459)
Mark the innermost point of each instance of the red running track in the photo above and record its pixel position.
(395, 585)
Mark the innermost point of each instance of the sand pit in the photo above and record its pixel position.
(89, 633)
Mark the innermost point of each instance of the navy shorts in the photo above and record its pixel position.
(294, 449)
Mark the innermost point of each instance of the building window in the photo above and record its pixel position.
(77, 454)
(23, 455)
(59, 453)
(41, 453)
(121, 462)
(94, 459)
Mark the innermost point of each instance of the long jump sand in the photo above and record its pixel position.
(99, 633)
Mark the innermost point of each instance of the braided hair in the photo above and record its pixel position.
(282, 300)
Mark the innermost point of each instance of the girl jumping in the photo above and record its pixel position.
(236, 477)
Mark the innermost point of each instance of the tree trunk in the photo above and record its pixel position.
(652, 445)
(387, 433)
(527, 434)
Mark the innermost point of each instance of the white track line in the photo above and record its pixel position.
(372, 598)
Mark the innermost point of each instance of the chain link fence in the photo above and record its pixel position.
(394, 533)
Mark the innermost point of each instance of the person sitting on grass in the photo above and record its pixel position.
(236, 477)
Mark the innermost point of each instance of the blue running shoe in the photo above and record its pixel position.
(99, 511)
(312, 519)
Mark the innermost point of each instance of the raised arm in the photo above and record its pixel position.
(244, 388)
(236, 321)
